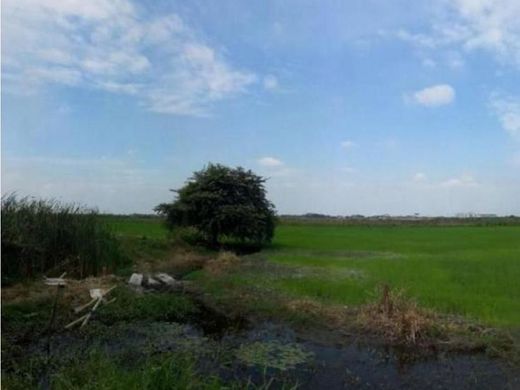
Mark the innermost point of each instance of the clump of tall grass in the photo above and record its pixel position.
(46, 236)
(397, 318)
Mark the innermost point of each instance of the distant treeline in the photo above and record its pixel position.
(131, 216)
(414, 220)
(387, 220)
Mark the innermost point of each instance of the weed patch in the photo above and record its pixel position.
(396, 318)
(100, 371)
(41, 236)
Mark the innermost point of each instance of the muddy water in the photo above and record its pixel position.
(231, 349)
(358, 366)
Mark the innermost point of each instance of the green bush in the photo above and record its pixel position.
(223, 205)
(45, 236)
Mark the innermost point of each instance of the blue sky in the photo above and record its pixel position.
(365, 107)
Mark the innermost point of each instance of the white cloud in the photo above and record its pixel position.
(53, 74)
(126, 88)
(270, 82)
(507, 109)
(462, 181)
(488, 25)
(436, 95)
(348, 144)
(421, 40)
(270, 162)
(110, 45)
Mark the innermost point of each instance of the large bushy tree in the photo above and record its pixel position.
(223, 203)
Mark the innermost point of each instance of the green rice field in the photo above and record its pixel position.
(467, 270)
(473, 271)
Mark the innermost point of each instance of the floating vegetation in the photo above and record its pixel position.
(273, 354)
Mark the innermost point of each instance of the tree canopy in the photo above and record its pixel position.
(223, 203)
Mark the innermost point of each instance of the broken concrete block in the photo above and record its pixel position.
(152, 282)
(136, 280)
(165, 278)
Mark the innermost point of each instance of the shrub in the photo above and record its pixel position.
(223, 204)
(45, 236)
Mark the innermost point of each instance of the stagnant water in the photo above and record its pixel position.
(270, 352)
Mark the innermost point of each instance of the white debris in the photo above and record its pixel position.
(136, 280)
(152, 282)
(165, 278)
(55, 282)
(96, 293)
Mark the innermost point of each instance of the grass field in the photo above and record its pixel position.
(302, 282)
(135, 227)
(472, 271)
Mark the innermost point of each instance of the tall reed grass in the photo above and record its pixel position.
(46, 236)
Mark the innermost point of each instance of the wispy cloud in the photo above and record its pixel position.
(507, 109)
(270, 162)
(421, 180)
(434, 96)
(461, 181)
(348, 144)
(468, 25)
(113, 46)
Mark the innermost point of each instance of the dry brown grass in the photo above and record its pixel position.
(75, 291)
(396, 318)
(177, 261)
(224, 262)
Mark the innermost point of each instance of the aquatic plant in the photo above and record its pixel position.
(273, 354)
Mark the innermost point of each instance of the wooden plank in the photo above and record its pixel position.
(87, 317)
(55, 281)
(76, 321)
(81, 308)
